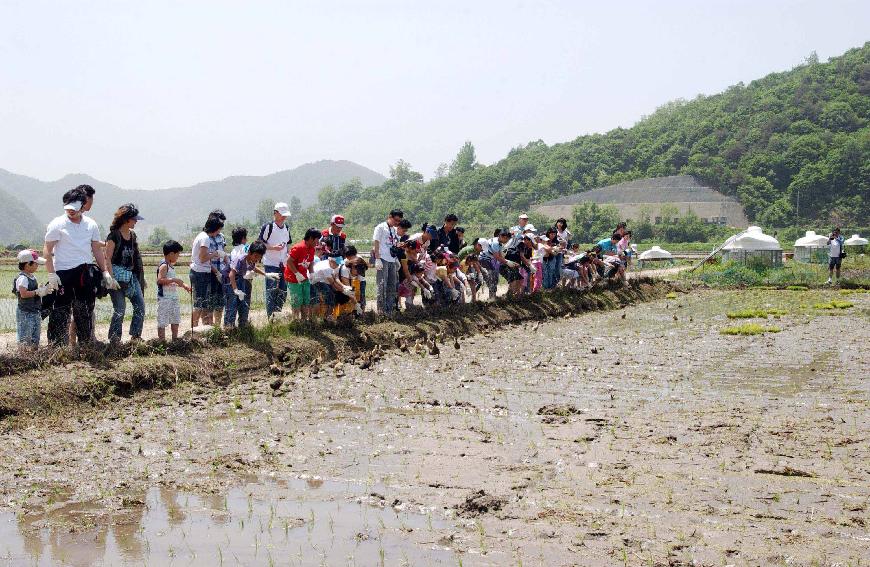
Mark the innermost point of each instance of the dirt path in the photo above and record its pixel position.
(635, 437)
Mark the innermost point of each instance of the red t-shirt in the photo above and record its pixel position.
(302, 257)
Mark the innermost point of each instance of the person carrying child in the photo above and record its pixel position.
(168, 282)
(28, 315)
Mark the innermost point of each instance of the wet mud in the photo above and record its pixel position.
(635, 436)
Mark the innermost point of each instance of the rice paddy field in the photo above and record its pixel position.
(641, 434)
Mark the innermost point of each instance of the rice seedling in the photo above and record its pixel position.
(834, 304)
(747, 314)
(748, 329)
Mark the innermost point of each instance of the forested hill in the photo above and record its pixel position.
(17, 223)
(793, 144)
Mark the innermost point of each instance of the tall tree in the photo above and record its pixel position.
(465, 160)
(402, 173)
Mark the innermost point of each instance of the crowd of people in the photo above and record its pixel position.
(323, 275)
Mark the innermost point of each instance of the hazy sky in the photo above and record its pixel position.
(166, 93)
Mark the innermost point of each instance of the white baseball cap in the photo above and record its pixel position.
(282, 209)
(74, 206)
(524, 216)
(30, 256)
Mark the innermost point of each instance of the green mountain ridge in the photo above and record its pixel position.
(794, 147)
(179, 208)
(17, 223)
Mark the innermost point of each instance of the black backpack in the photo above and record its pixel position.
(266, 233)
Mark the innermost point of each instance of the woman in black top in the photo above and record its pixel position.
(122, 251)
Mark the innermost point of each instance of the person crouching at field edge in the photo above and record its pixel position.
(168, 304)
(242, 272)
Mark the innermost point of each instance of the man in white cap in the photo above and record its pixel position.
(72, 242)
(522, 221)
(276, 235)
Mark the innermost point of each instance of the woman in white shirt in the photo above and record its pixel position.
(201, 274)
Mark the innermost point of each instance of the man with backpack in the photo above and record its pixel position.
(276, 235)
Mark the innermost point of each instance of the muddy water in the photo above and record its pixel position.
(298, 522)
(640, 436)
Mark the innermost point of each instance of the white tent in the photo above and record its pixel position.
(656, 253)
(856, 240)
(753, 244)
(811, 247)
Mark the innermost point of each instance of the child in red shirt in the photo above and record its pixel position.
(301, 257)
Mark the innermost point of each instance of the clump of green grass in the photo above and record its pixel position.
(797, 288)
(748, 314)
(747, 329)
(856, 290)
(671, 295)
(834, 304)
(756, 313)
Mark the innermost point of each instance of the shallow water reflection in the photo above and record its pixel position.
(298, 522)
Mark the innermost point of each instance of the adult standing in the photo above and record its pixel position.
(201, 275)
(276, 235)
(122, 253)
(89, 202)
(835, 253)
(333, 239)
(220, 269)
(385, 240)
(72, 241)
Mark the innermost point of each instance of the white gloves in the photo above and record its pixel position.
(427, 293)
(44, 290)
(358, 309)
(454, 293)
(379, 264)
(110, 282)
(249, 275)
(221, 254)
(53, 280)
(510, 263)
(533, 270)
(347, 290)
(273, 276)
(240, 294)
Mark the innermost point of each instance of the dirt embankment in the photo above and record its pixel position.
(55, 380)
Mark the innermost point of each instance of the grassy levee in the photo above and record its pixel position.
(59, 379)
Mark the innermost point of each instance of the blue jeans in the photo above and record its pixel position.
(236, 306)
(552, 272)
(29, 325)
(119, 304)
(276, 291)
